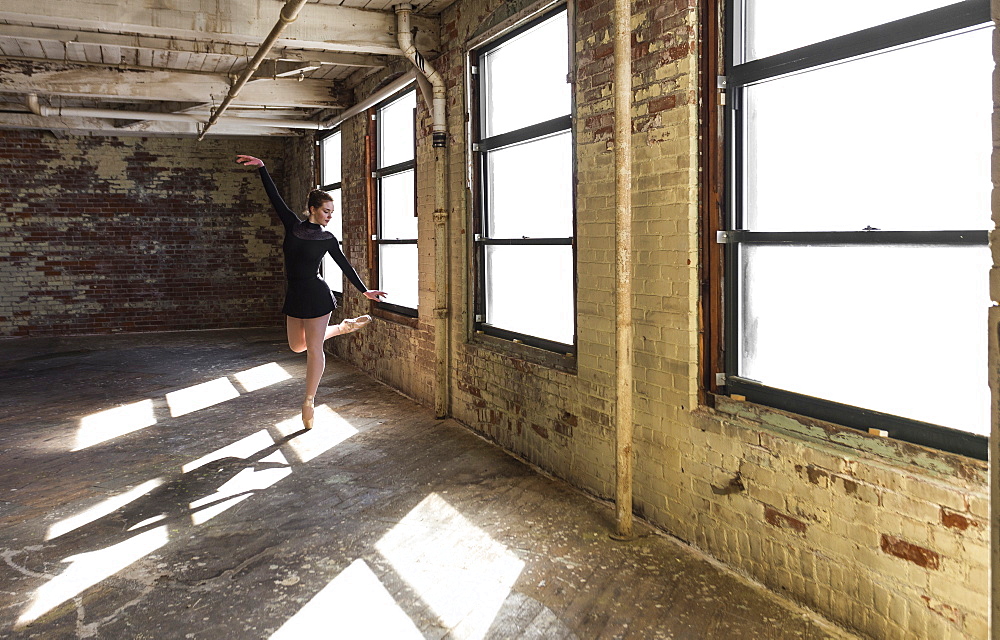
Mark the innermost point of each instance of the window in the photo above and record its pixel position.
(396, 223)
(858, 203)
(524, 226)
(330, 181)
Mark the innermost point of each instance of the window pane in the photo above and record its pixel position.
(331, 159)
(397, 264)
(524, 79)
(867, 143)
(395, 130)
(331, 272)
(897, 329)
(530, 189)
(774, 26)
(396, 207)
(529, 289)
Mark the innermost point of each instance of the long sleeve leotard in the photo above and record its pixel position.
(305, 244)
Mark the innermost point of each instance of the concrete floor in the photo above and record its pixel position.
(159, 486)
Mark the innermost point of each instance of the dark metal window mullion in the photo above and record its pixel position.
(525, 134)
(902, 32)
(872, 237)
(483, 224)
(399, 167)
(526, 241)
(733, 218)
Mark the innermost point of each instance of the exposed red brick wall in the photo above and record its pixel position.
(105, 234)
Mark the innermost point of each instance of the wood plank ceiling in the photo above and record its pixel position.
(180, 57)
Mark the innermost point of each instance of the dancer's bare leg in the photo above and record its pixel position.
(347, 326)
(315, 336)
(296, 328)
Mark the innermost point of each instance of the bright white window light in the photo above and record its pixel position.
(354, 605)
(263, 376)
(87, 569)
(330, 430)
(462, 574)
(201, 396)
(101, 509)
(240, 487)
(110, 424)
(780, 25)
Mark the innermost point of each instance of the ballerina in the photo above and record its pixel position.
(308, 299)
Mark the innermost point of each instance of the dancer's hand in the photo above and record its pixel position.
(249, 161)
(371, 294)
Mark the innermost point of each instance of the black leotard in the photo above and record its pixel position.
(307, 295)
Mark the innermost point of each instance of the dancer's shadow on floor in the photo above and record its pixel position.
(173, 506)
(172, 503)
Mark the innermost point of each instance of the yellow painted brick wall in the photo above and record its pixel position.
(886, 538)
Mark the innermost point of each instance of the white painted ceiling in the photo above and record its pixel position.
(182, 56)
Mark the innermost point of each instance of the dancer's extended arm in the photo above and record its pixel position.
(288, 217)
(345, 266)
(352, 275)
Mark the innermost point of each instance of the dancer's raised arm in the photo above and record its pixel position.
(288, 217)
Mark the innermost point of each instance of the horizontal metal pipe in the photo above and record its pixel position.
(373, 99)
(80, 112)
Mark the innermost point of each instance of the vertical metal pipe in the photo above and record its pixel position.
(289, 12)
(441, 288)
(623, 265)
(442, 385)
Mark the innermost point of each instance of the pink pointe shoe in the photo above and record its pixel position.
(307, 412)
(353, 324)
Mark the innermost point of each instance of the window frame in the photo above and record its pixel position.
(376, 174)
(320, 139)
(725, 260)
(480, 149)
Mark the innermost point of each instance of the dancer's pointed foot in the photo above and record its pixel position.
(351, 324)
(308, 412)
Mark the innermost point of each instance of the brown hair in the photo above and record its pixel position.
(317, 197)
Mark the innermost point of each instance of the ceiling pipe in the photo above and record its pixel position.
(79, 112)
(442, 290)
(372, 100)
(289, 12)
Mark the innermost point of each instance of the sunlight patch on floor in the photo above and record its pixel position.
(88, 569)
(263, 376)
(330, 430)
(101, 509)
(201, 396)
(355, 604)
(461, 573)
(105, 425)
